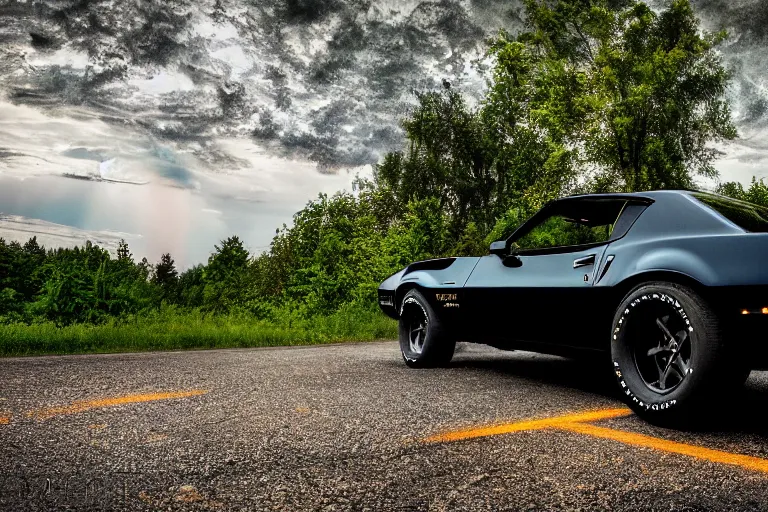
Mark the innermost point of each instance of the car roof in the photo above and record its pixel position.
(652, 195)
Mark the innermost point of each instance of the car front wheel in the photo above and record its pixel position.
(669, 356)
(424, 343)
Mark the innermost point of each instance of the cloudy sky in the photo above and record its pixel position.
(176, 123)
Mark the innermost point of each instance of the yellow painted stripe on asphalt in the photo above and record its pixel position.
(81, 406)
(508, 428)
(4, 420)
(631, 438)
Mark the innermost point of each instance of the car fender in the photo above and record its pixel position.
(435, 275)
(679, 261)
(629, 266)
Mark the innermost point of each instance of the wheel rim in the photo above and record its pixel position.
(661, 342)
(417, 330)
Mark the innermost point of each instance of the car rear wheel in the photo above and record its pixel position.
(669, 356)
(424, 343)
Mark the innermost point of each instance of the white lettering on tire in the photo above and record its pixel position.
(658, 406)
(412, 300)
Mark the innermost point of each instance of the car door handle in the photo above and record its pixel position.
(585, 261)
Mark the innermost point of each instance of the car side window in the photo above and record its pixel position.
(562, 231)
(573, 223)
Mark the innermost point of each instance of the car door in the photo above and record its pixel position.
(539, 288)
(544, 299)
(556, 290)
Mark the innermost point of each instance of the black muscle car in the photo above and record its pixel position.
(672, 284)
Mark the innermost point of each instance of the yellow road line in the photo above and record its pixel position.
(630, 438)
(42, 414)
(508, 428)
(580, 423)
(4, 420)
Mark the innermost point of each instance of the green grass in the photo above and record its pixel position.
(172, 329)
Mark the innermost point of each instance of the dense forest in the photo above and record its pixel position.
(596, 95)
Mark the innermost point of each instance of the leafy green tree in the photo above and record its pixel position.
(123, 252)
(75, 286)
(471, 243)
(224, 276)
(85, 284)
(663, 91)
(632, 96)
(68, 296)
(6, 263)
(447, 159)
(19, 268)
(11, 306)
(426, 229)
(321, 246)
(190, 290)
(11, 269)
(166, 276)
(227, 261)
(533, 163)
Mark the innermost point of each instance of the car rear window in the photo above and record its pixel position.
(748, 216)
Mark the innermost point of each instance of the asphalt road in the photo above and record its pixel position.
(349, 427)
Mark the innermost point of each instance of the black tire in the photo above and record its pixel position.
(669, 355)
(424, 342)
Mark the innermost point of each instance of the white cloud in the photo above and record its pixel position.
(235, 58)
(163, 83)
(216, 31)
(62, 57)
(20, 229)
(249, 197)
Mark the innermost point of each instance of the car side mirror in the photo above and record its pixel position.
(508, 255)
(499, 248)
(512, 260)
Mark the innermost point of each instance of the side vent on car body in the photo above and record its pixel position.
(607, 265)
(440, 264)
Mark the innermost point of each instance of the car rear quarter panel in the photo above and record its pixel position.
(729, 271)
(713, 261)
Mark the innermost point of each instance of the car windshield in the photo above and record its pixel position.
(748, 216)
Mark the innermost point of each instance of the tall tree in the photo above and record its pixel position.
(533, 161)
(447, 158)
(166, 277)
(633, 98)
(165, 273)
(123, 252)
(224, 276)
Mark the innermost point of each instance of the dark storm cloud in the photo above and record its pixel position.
(340, 107)
(114, 35)
(133, 32)
(378, 61)
(744, 54)
(748, 19)
(309, 11)
(371, 54)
